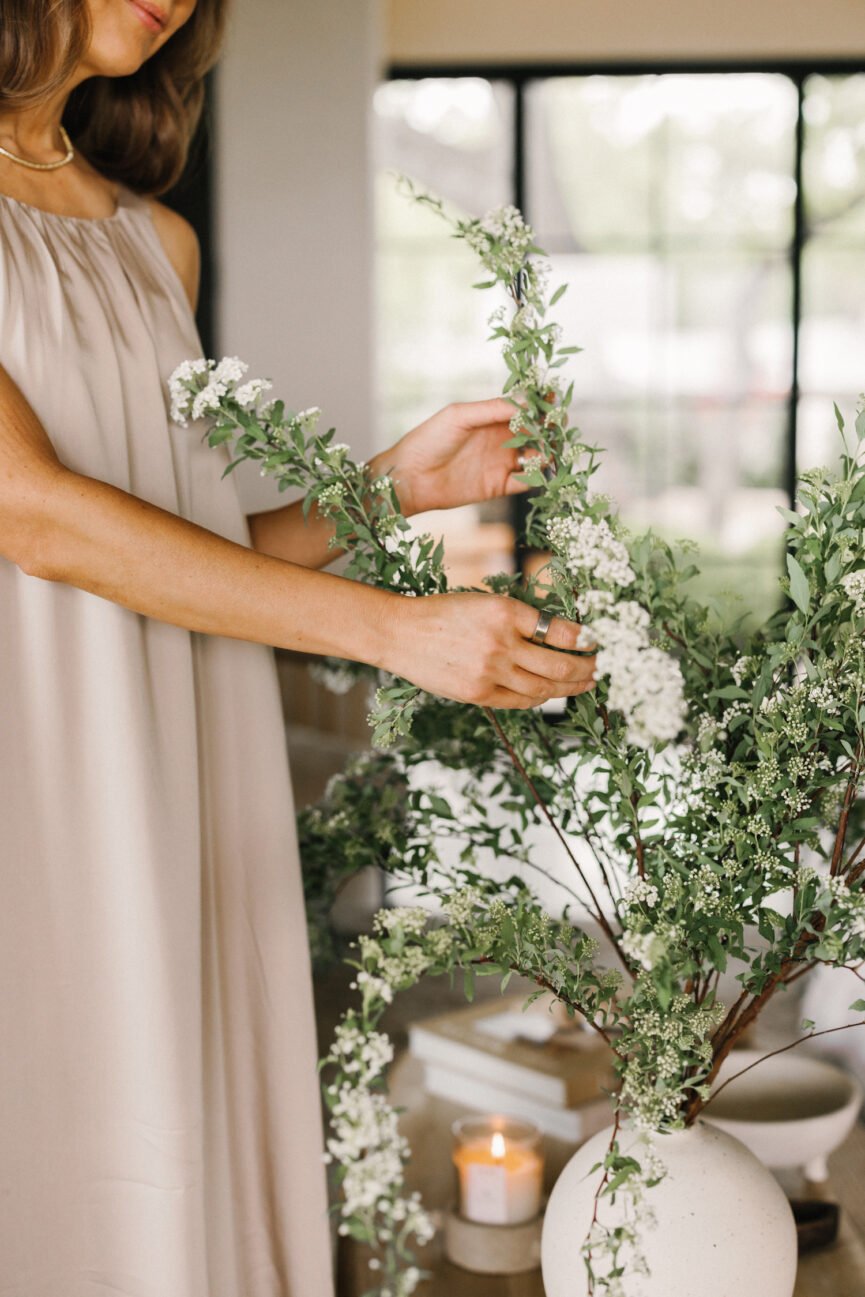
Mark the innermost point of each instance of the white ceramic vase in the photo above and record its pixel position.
(723, 1227)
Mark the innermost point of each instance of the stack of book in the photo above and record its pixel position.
(496, 1057)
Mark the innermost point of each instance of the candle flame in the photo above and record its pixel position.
(497, 1145)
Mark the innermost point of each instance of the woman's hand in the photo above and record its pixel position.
(456, 457)
(476, 648)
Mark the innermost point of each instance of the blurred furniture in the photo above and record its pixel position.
(835, 1271)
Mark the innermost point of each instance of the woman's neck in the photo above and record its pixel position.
(35, 132)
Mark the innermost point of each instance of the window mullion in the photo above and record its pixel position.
(796, 250)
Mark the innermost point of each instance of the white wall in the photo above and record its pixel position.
(419, 31)
(294, 211)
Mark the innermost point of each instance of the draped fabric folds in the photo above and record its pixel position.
(160, 1130)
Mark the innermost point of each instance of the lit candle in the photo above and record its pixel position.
(500, 1169)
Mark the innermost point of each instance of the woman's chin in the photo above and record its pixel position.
(124, 64)
(121, 56)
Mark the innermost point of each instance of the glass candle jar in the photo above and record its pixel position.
(500, 1169)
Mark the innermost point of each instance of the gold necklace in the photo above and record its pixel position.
(43, 166)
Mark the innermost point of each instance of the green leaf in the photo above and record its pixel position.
(839, 418)
(858, 1006)
(558, 294)
(729, 691)
(440, 806)
(800, 591)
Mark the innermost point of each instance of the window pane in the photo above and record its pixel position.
(832, 337)
(622, 162)
(834, 161)
(819, 441)
(667, 203)
(682, 324)
(453, 136)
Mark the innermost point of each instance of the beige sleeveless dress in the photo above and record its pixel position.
(159, 1114)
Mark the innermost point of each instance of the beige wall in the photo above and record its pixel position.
(536, 30)
(294, 236)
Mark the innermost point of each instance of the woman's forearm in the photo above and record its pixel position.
(103, 540)
(60, 526)
(285, 533)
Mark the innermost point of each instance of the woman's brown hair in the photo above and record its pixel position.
(136, 129)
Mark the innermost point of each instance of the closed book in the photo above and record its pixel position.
(570, 1125)
(526, 1053)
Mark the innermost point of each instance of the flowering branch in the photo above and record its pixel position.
(702, 772)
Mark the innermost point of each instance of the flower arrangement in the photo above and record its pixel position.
(706, 796)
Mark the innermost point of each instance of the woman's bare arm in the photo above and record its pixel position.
(61, 526)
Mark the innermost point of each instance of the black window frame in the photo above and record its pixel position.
(519, 75)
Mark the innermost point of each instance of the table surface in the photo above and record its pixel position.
(835, 1271)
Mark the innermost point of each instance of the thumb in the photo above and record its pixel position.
(514, 486)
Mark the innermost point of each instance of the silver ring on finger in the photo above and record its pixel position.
(545, 621)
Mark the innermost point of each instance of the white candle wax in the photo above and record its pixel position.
(500, 1182)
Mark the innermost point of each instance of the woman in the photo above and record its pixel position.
(159, 1116)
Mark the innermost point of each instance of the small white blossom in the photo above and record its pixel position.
(641, 892)
(250, 393)
(589, 548)
(230, 370)
(644, 948)
(854, 588)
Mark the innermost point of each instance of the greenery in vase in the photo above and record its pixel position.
(706, 797)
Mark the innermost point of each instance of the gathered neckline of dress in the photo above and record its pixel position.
(126, 198)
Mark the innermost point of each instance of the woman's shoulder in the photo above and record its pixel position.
(181, 246)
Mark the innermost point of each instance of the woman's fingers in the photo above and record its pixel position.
(482, 414)
(509, 700)
(557, 668)
(477, 649)
(562, 634)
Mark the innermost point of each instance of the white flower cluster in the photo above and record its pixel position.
(854, 588)
(361, 1055)
(743, 669)
(501, 239)
(826, 697)
(249, 394)
(641, 892)
(646, 683)
(460, 907)
(848, 906)
(410, 919)
(368, 1146)
(397, 968)
(198, 388)
(364, 1139)
(589, 549)
(644, 948)
(191, 398)
(372, 987)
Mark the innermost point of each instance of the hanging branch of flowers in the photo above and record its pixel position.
(706, 798)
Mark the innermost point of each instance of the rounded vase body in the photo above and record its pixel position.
(722, 1228)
